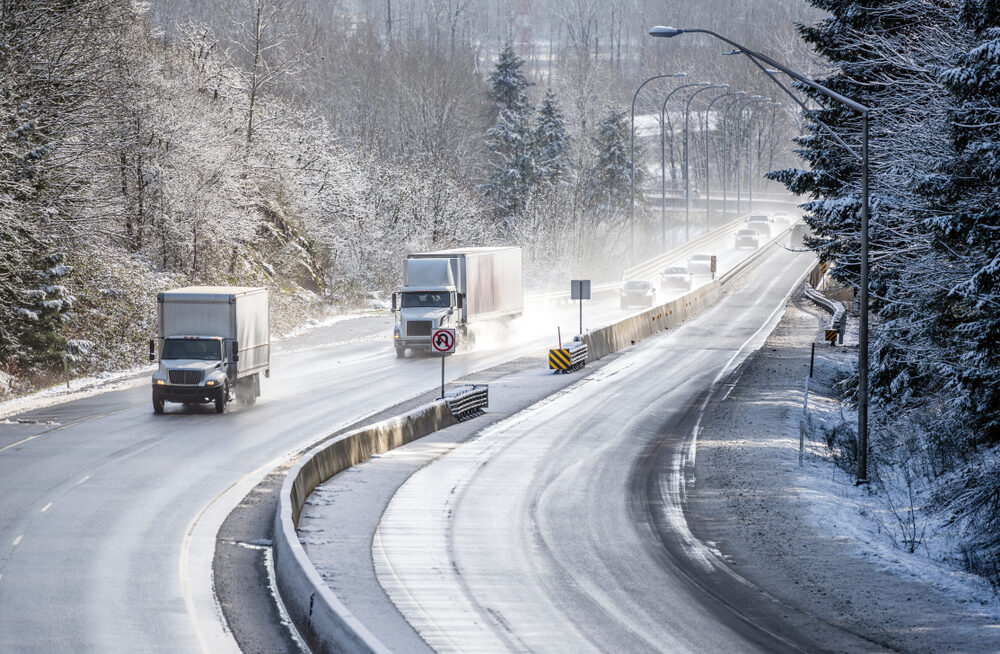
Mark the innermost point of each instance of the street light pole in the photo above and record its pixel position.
(687, 168)
(631, 206)
(750, 177)
(663, 162)
(725, 155)
(753, 112)
(708, 206)
(753, 99)
(757, 58)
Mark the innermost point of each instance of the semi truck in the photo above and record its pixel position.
(214, 343)
(455, 289)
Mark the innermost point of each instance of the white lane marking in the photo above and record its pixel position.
(83, 480)
(197, 554)
(46, 507)
(17, 541)
(674, 494)
(60, 428)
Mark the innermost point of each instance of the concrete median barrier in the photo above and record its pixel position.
(612, 338)
(320, 617)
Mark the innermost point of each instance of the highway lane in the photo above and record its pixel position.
(105, 511)
(561, 529)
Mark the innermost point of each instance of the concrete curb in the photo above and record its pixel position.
(321, 618)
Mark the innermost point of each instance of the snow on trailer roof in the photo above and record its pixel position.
(455, 251)
(203, 292)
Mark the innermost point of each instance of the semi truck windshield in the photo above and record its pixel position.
(192, 348)
(429, 299)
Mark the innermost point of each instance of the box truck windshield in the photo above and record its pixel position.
(437, 299)
(192, 348)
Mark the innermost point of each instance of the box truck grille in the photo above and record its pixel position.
(418, 328)
(185, 376)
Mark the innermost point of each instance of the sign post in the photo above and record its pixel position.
(443, 344)
(579, 289)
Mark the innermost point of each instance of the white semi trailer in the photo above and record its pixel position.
(214, 343)
(455, 289)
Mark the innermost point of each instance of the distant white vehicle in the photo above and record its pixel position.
(701, 264)
(781, 218)
(760, 223)
(675, 277)
(747, 238)
(638, 292)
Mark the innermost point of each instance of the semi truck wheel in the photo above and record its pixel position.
(400, 352)
(220, 400)
(157, 405)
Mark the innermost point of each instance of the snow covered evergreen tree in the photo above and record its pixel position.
(610, 177)
(510, 141)
(967, 224)
(552, 143)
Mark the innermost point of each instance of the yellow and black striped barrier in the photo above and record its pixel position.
(568, 359)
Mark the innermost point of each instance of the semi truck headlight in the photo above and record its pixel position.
(159, 382)
(210, 382)
(395, 334)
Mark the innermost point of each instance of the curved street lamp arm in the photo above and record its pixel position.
(670, 31)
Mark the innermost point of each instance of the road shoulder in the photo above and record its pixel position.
(753, 502)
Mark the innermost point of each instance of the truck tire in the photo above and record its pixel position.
(158, 405)
(220, 400)
(400, 352)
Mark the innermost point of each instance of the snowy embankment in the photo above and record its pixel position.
(804, 532)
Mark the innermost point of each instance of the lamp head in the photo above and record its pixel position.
(665, 32)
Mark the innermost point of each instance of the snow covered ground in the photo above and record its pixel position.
(806, 533)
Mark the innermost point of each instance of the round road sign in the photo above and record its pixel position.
(443, 341)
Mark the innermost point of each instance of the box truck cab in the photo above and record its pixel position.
(455, 289)
(214, 342)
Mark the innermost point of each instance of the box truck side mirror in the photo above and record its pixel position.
(152, 349)
(236, 351)
(395, 302)
(460, 300)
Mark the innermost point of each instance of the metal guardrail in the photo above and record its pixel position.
(568, 359)
(838, 317)
(468, 402)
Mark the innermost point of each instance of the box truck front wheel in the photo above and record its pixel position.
(157, 405)
(220, 400)
(400, 352)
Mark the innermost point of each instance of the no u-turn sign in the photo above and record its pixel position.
(443, 341)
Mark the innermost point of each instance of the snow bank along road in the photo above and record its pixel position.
(109, 513)
(560, 528)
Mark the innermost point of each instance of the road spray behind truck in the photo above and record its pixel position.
(455, 289)
(214, 343)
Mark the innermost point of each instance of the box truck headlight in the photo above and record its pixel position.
(159, 382)
(210, 382)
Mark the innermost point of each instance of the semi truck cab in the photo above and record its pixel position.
(455, 289)
(421, 311)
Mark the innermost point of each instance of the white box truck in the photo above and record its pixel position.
(214, 343)
(455, 289)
